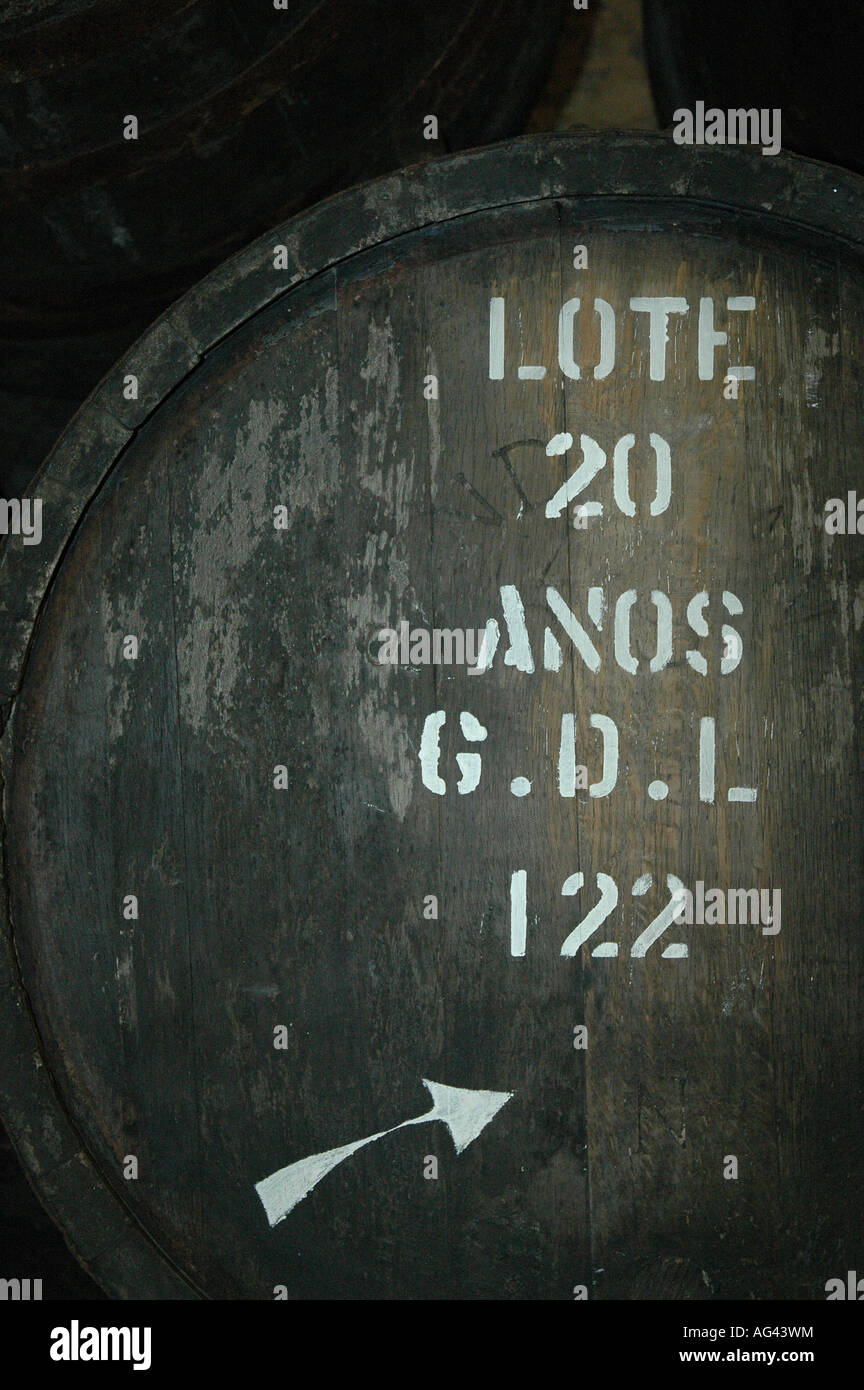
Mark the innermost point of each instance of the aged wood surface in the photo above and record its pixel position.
(304, 907)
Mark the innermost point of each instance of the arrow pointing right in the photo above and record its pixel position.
(465, 1113)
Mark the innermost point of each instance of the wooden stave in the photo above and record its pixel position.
(324, 226)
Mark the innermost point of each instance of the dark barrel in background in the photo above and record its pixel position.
(373, 416)
(245, 114)
(804, 58)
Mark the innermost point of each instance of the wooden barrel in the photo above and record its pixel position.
(42, 383)
(432, 792)
(800, 58)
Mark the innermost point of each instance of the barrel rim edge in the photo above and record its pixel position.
(405, 202)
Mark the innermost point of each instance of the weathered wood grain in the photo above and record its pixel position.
(304, 908)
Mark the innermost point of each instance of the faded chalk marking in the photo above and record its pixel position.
(663, 495)
(655, 928)
(609, 733)
(606, 314)
(706, 760)
(658, 310)
(593, 459)
(496, 339)
(598, 913)
(566, 360)
(465, 1113)
(663, 655)
(518, 654)
(623, 655)
(430, 752)
(575, 631)
(695, 610)
(488, 648)
(470, 764)
(518, 912)
(620, 475)
(559, 444)
(567, 753)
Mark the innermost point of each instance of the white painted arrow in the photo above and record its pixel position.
(465, 1113)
